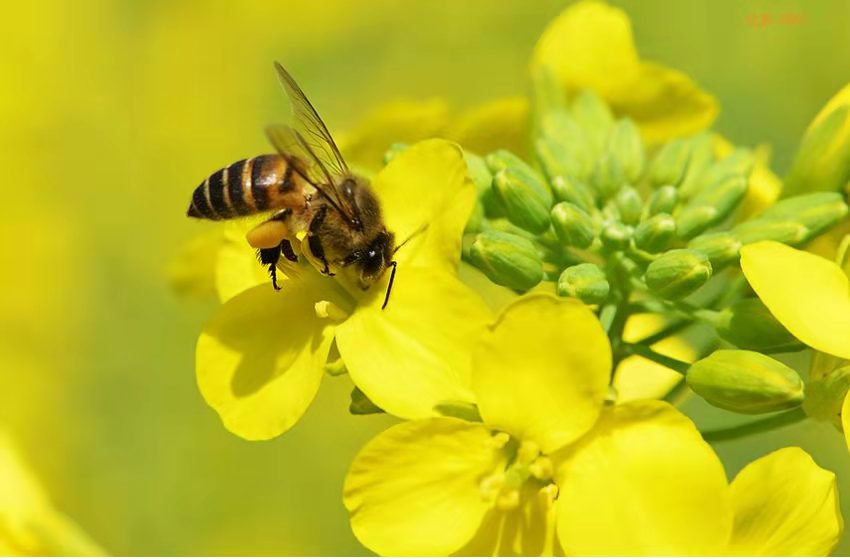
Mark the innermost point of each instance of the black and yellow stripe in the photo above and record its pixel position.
(246, 187)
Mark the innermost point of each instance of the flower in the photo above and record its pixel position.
(590, 45)
(551, 459)
(261, 358)
(29, 525)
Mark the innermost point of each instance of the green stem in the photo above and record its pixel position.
(764, 425)
(650, 354)
(678, 393)
(668, 331)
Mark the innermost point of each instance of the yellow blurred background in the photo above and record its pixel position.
(113, 111)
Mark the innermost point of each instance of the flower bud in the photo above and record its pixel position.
(478, 171)
(721, 248)
(616, 236)
(573, 226)
(563, 148)
(656, 233)
(625, 144)
(678, 273)
(738, 163)
(608, 176)
(663, 200)
(701, 158)
(586, 282)
(594, 117)
(822, 162)
(711, 206)
(783, 231)
(745, 382)
(507, 259)
(749, 325)
(573, 191)
(825, 396)
(557, 160)
(670, 164)
(629, 205)
(816, 211)
(525, 199)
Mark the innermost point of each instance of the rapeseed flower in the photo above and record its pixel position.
(261, 358)
(551, 468)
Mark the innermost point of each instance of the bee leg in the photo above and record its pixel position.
(315, 243)
(269, 257)
(287, 251)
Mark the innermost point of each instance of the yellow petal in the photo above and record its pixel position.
(416, 488)
(415, 353)
(497, 124)
(642, 483)
(637, 378)
(541, 372)
(590, 45)
(399, 121)
(191, 272)
(665, 103)
(808, 294)
(785, 505)
(236, 267)
(260, 359)
(426, 187)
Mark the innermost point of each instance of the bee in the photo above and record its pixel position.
(307, 187)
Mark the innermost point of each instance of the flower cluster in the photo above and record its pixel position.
(557, 229)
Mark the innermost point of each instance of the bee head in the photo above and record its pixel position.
(375, 259)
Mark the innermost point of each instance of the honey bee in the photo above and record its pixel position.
(308, 188)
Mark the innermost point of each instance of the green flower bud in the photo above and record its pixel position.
(817, 211)
(594, 117)
(822, 162)
(825, 396)
(711, 206)
(586, 282)
(547, 91)
(749, 325)
(573, 191)
(656, 233)
(478, 171)
(663, 200)
(393, 151)
(608, 176)
(678, 273)
(629, 205)
(507, 259)
(525, 198)
(745, 382)
(503, 159)
(670, 164)
(616, 236)
(562, 147)
(573, 226)
(783, 231)
(721, 248)
(738, 163)
(625, 144)
(701, 158)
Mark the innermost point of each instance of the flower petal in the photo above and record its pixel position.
(236, 267)
(642, 483)
(415, 488)
(845, 419)
(426, 186)
(785, 505)
(260, 359)
(191, 272)
(399, 121)
(541, 372)
(414, 354)
(590, 45)
(808, 294)
(500, 124)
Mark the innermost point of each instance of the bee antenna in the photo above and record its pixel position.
(390, 285)
(421, 229)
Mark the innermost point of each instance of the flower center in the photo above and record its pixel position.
(529, 473)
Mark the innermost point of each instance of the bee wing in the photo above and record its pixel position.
(313, 138)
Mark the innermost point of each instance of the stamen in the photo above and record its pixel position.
(547, 495)
(491, 486)
(499, 440)
(542, 468)
(508, 500)
(329, 310)
(528, 452)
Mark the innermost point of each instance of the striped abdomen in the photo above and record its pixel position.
(246, 187)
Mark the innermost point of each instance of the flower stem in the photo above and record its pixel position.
(764, 425)
(650, 354)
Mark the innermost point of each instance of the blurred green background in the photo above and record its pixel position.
(112, 112)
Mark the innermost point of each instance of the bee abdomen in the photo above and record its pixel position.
(244, 188)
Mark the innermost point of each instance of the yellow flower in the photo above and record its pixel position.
(590, 45)
(29, 525)
(261, 358)
(550, 459)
